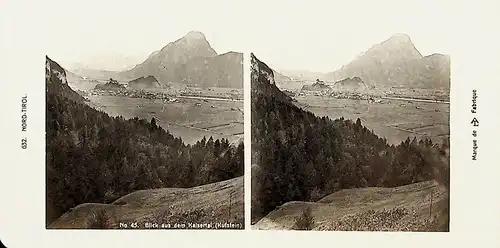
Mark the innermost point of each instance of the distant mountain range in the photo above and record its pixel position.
(280, 77)
(393, 63)
(193, 61)
(189, 60)
(303, 75)
(72, 77)
(96, 74)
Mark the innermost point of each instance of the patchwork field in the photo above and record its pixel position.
(394, 120)
(190, 119)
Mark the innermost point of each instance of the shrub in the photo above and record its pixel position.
(102, 220)
(305, 221)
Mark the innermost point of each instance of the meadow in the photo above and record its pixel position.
(190, 119)
(392, 119)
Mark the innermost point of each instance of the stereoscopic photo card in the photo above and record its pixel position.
(249, 123)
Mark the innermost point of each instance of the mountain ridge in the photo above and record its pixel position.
(57, 83)
(191, 60)
(396, 62)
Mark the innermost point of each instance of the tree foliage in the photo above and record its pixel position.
(92, 157)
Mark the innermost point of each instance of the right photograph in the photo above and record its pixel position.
(363, 147)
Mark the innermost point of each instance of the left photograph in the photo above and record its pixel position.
(151, 142)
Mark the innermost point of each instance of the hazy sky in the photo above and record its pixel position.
(112, 34)
(324, 35)
(310, 35)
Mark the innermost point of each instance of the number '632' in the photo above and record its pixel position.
(24, 143)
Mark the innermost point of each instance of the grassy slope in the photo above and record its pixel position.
(165, 205)
(405, 208)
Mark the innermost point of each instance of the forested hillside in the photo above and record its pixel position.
(301, 157)
(92, 157)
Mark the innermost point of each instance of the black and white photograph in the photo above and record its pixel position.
(263, 123)
(350, 131)
(145, 130)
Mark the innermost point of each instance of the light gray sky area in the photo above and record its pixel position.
(324, 35)
(115, 34)
(307, 35)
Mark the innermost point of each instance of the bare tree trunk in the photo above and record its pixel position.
(430, 208)
(230, 198)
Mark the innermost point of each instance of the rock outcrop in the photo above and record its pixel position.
(112, 85)
(144, 83)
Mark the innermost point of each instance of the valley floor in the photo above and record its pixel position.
(212, 206)
(393, 119)
(189, 119)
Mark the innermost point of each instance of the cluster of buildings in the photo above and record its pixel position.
(167, 97)
(331, 93)
(132, 94)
